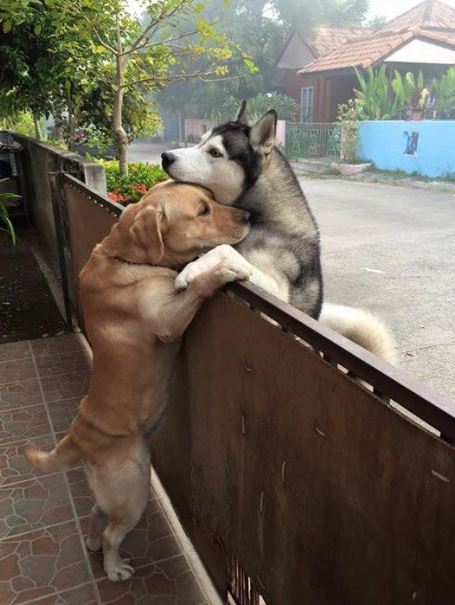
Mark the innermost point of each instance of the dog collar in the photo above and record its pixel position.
(119, 259)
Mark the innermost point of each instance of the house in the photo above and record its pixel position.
(299, 52)
(320, 72)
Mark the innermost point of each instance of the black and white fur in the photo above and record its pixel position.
(241, 165)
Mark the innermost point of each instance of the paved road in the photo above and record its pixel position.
(392, 250)
(141, 151)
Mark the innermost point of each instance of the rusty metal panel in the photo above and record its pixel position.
(87, 221)
(324, 494)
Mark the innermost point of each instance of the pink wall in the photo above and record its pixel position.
(195, 127)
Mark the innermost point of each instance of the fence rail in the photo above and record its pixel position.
(295, 482)
(312, 141)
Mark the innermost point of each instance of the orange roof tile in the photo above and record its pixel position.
(327, 38)
(368, 51)
(430, 14)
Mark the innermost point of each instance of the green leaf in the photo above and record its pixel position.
(37, 29)
(7, 27)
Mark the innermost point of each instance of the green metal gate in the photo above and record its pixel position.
(312, 141)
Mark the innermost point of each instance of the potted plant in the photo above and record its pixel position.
(348, 115)
(7, 201)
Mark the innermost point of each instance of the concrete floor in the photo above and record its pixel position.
(392, 250)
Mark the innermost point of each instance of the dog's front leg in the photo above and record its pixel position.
(226, 253)
(174, 316)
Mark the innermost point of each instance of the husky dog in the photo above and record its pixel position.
(241, 166)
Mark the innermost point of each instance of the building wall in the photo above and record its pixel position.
(296, 54)
(424, 147)
(322, 96)
(342, 90)
(291, 83)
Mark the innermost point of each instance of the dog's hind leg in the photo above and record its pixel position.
(121, 522)
(96, 524)
(121, 490)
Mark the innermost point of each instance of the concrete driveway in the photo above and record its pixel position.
(392, 250)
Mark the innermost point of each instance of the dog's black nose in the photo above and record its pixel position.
(167, 158)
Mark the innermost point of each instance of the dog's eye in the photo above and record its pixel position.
(204, 211)
(215, 153)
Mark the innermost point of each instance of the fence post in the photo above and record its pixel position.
(55, 179)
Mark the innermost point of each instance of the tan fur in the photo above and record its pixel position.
(134, 320)
(362, 327)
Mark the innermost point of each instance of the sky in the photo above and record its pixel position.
(386, 8)
(393, 8)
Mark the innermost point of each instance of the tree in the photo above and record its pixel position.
(97, 47)
(45, 72)
(260, 28)
(139, 56)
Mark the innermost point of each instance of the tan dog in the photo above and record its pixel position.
(134, 319)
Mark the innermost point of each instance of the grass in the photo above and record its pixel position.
(416, 176)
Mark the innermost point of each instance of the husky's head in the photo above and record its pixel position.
(229, 159)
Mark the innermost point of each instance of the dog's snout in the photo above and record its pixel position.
(167, 158)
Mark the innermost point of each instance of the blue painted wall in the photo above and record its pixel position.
(386, 142)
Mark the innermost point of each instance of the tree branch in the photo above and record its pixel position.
(100, 40)
(105, 44)
(160, 42)
(164, 14)
(204, 77)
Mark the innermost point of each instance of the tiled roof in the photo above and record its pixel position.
(368, 51)
(326, 38)
(430, 14)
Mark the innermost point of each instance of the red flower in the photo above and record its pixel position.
(140, 188)
(118, 196)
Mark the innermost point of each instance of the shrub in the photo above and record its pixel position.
(6, 201)
(21, 122)
(131, 188)
(349, 115)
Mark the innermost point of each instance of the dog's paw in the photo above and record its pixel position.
(181, 281)
(119, 571)
(187, 275)
(93, 544)
(205, 263)
(227, 272)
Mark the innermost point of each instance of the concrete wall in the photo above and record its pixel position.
(39, 161)
(425, 147)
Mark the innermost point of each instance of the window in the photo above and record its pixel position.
(306, 104)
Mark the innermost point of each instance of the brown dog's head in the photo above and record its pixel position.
(176, 222)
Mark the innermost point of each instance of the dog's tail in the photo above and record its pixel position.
(362, 327)
(64, 456)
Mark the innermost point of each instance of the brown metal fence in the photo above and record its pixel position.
(297, 484)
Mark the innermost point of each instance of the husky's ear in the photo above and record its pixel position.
(147, 233)
(263, 133)
(241, 117)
